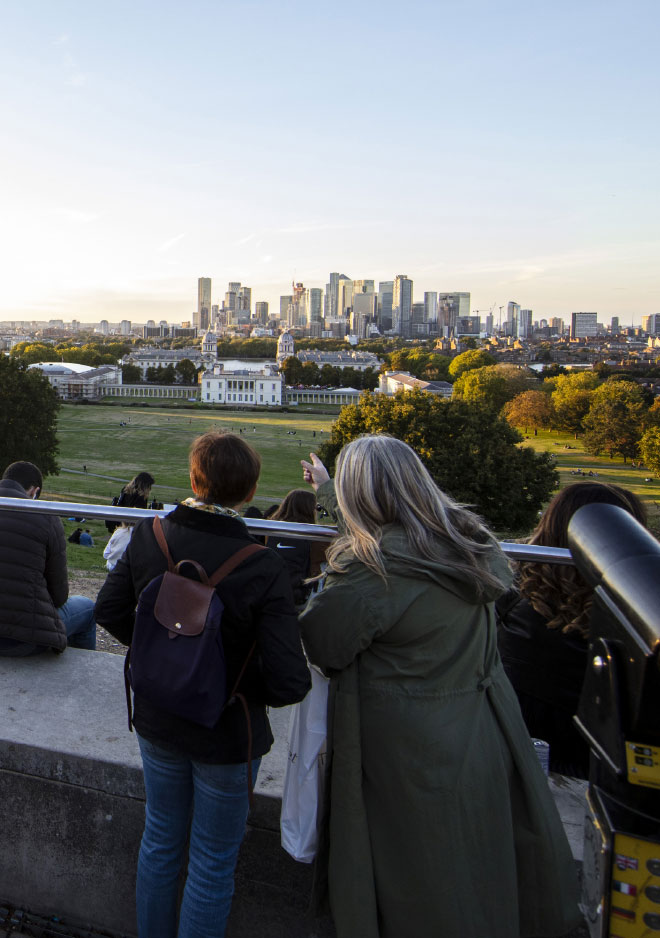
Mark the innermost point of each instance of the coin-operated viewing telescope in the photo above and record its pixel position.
(619, 715)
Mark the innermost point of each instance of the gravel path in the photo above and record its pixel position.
(89, 584)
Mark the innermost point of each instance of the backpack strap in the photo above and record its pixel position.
(159, 534)
(233, 562)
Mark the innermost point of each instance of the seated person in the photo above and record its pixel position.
(543, 628)
(86, 539)
(37, 612)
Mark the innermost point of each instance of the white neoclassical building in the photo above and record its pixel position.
(238, 388)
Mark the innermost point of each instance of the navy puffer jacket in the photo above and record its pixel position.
(33, 574)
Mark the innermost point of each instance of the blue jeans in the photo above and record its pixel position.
(211, 800)
(77, 614)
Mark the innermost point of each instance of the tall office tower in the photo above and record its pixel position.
(525, 323)
(584, 325)
(384, 313)
(125, 327)
(651, 324)
(489, 324)
(261, 312)
(363, 286)
(245, 299)
(285, 308)
(314, 304)
(344, 297)
(215, 315)
(402, 305)
(452, 306)
(104, 327)
(431, 310)
(614, 326)
(202, 316)
(557, 325)
(331, 303)
(363, 314)
(512, 318)
(418, 323)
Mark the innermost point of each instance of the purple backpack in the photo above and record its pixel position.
(176, 660)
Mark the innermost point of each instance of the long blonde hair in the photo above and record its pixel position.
(379, 481)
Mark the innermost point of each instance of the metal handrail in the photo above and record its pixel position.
(531, 553)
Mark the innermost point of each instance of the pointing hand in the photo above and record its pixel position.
(314, 472)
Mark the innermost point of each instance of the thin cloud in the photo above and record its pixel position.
(245, 240)
(61, 40)
(77, 216)
(168, 245)
(74, 76)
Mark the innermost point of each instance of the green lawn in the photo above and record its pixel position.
(608, 470)
(157, 439)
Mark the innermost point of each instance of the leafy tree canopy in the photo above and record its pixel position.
(492, 386)
(467, 361)
(131, 374)
(571, 399)
(649, 447)
(616, 420)
(28, 415)
(471, 454)
(530, 409)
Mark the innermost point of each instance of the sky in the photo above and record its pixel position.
(505, 148)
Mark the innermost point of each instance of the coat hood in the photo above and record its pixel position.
(401, 560)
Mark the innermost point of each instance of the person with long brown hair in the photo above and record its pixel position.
(543, 627)
(440, 818)
(302, 558)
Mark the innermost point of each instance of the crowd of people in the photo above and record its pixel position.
(437, 818)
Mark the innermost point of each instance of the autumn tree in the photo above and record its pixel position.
(493, 385)
(468, 361)
(571, 399)
(616, 418)
(472, 454)
(530, 409)
(28, 415)
(649, 447)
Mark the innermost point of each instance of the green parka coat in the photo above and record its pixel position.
(441, 822)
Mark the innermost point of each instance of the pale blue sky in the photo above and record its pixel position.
(505, 148)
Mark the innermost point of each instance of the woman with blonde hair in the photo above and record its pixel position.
(440, 818)
(543, 629)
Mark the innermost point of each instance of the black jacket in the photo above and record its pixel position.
(547, 668)
(33, 574)
(257, 605)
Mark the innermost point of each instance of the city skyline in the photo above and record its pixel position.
(510, 154)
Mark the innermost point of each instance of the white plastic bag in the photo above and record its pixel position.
(303, 781)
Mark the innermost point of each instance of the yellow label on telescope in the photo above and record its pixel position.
(643, 764)
(634, 888)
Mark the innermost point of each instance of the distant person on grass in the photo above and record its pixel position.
(37, 612)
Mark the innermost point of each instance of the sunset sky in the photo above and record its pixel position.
(501, 147)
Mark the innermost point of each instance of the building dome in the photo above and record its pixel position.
(285, 347)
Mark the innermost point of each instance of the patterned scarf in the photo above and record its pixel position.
(206, 506)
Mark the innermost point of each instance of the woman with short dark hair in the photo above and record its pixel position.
(195, 777)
